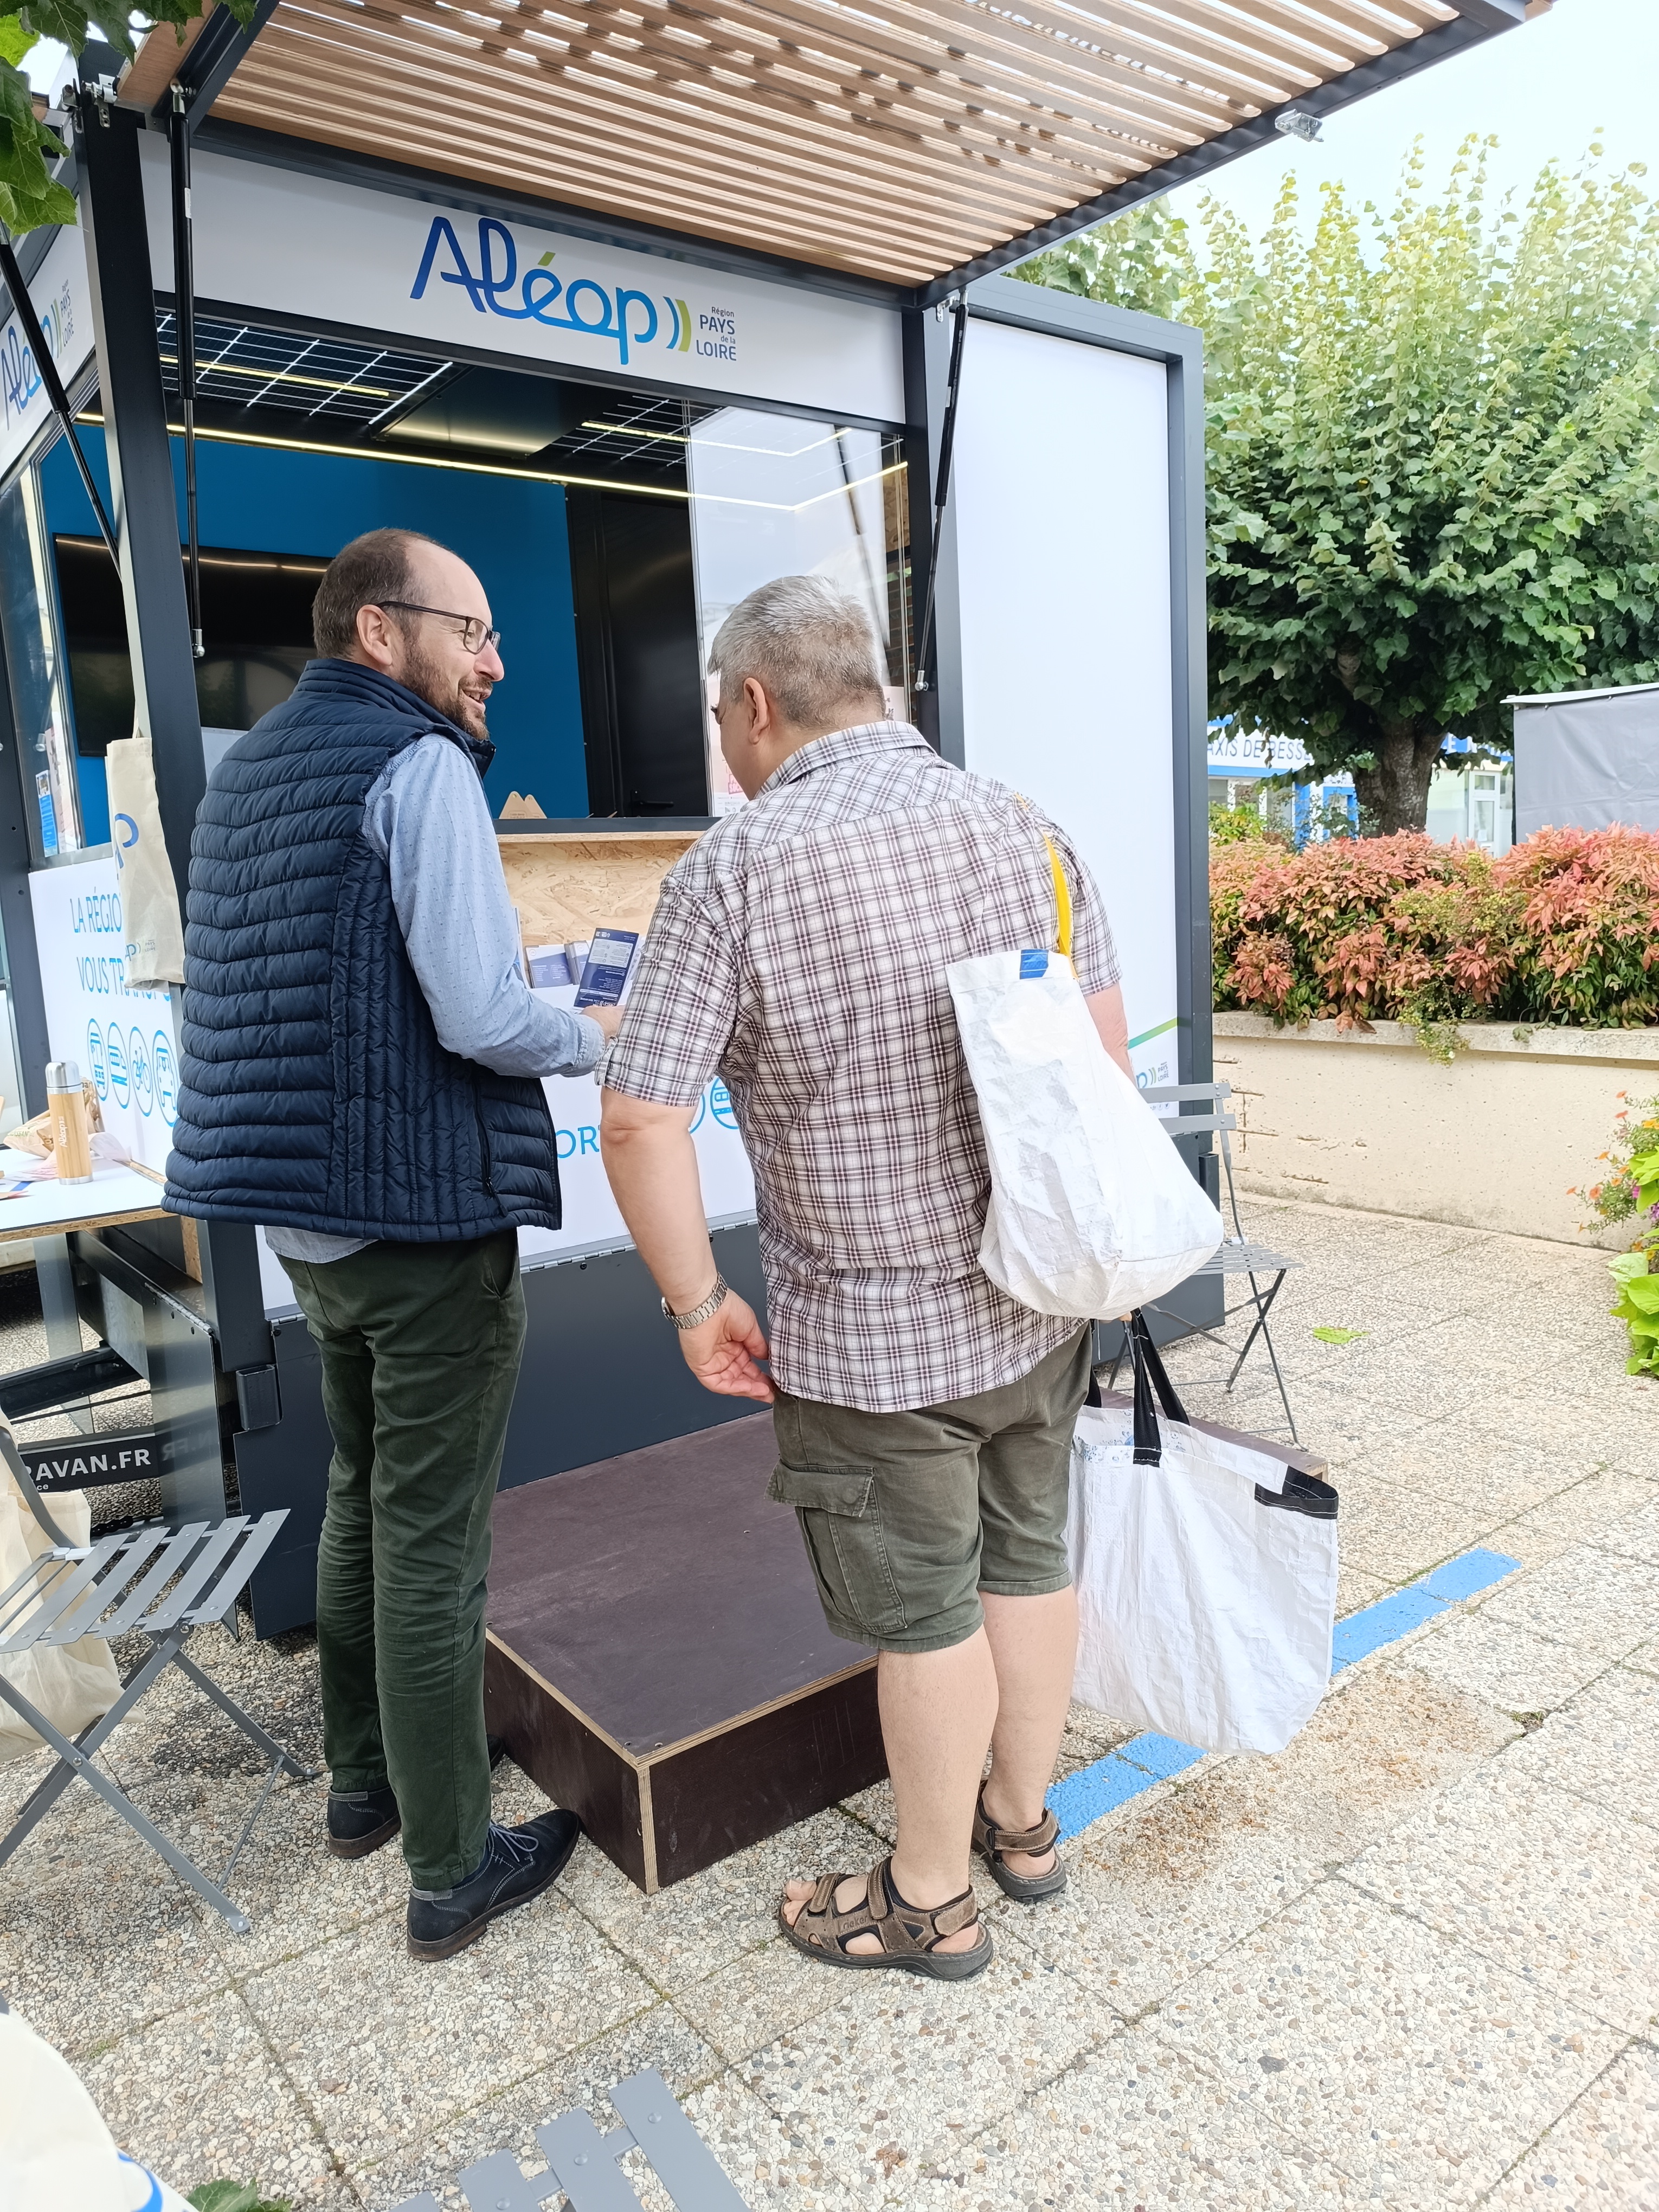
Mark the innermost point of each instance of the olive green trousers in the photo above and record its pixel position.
(420, 1346)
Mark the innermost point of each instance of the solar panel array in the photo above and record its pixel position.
(645, 437)
(242, 368)
(286, 384)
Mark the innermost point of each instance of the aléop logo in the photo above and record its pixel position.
(615, 315)
(21, 381)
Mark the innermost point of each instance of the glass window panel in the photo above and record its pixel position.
(775, 495)
(34, 663)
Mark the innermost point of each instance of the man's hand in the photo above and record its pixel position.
(653, 1166)
(1106, 1009)
(607, 1018)
(722, 1353)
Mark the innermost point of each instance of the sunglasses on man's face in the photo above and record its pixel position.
(474, 632)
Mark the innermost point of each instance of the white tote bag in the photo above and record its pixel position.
(1093, 1209)
(150, 897)
(1205, 1572)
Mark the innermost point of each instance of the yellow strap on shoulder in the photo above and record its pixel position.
(1062, 903)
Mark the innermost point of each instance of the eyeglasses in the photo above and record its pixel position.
(474, 631)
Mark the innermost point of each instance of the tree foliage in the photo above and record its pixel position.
(29, 195)
(1432, 454)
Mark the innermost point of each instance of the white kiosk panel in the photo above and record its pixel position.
(447, 276)
(1061, 493)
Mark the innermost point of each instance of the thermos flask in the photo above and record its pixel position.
(67, 1108)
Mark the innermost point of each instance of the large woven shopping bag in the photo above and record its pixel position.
(1093, 1209)
(72, 1684)
(1205, 1562)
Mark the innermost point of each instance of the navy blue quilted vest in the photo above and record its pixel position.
(313, 1091)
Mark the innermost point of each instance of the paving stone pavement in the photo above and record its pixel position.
(1412, 1961)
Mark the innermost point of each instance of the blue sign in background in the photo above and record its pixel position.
(95, 1068)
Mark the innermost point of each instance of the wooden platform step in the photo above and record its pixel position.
(657, 1659)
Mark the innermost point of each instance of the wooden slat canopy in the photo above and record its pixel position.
(893, 139)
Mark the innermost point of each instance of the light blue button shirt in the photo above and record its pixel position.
(427, 817)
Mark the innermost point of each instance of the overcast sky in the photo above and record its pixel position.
(1588, 70)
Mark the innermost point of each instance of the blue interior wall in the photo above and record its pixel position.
(94, 800)
(511, 530)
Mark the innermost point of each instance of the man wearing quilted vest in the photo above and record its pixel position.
(361, 1074)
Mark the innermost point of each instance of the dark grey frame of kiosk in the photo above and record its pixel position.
(593, 1316)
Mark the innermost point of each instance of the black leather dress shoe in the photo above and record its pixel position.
(361, 1821)
(518, 1865)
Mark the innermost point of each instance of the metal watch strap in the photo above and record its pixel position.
(699, 1314)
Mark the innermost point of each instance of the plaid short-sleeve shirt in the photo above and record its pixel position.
(799, 952)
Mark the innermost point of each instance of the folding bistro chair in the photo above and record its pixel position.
(583, 2175)
(1236, 1257)
(166, 1582)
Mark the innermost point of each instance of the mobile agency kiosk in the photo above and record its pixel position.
(624, 428)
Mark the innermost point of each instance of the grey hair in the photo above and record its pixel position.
(809, 644)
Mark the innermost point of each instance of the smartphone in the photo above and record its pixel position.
(609, 957)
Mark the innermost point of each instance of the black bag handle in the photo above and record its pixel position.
(1149, 1377)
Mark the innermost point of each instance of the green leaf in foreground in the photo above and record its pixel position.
(1339, 1335)
(29, 200)
(235, 2197)
(28, 196)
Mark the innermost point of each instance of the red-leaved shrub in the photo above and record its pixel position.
(1563, 929)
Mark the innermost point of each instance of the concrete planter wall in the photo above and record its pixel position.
(1491, 1141)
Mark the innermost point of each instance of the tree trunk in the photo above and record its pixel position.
(1394, 794)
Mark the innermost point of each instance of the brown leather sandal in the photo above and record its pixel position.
(990, 1842)
(908, 1933)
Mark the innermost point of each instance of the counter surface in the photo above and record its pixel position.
(53, 1208)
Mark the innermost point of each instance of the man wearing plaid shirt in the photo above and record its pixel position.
(924, 1418)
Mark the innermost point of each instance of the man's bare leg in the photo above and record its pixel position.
(938, 1709)
(1033, 1644)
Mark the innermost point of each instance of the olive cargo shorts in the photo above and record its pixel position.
(908, 1516)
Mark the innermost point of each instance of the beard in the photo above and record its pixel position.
(434, 683)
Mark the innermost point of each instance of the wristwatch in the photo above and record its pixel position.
(699, 1314)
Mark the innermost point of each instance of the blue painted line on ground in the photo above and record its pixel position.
(1385, 1622)
(1391, 1617)
(1161, 1755)
(1092, 1791)
(1473, 1570)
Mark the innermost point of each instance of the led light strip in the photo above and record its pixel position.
(410, 460)
(501, 468)
(280, 376)
(716, 444)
